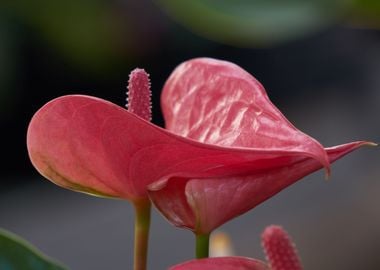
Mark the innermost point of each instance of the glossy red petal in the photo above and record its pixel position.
(91, 145)
(218, 102)
(222, 263)
(214, 201)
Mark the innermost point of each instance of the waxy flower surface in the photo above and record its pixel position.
(218, 103)
(226, 148)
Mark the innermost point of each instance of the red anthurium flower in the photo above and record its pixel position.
(222, 263)
(225, 150)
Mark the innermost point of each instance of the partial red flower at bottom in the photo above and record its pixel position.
(222, 263)
(280, 251)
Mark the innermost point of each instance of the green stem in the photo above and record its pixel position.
(142, 223)
(202, 245)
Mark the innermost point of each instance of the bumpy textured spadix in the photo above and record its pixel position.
(280, 250)
(139, 94)
(226, 146)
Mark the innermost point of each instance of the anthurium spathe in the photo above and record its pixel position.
(218, 103)
(91, 145)
(94, 146)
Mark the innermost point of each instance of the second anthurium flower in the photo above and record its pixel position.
(226, 148)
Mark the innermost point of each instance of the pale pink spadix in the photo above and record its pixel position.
(139, 94)
(280, 250)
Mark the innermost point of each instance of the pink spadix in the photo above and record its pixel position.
(139, 94)
(280, 251)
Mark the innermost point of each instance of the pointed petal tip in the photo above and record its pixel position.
(345, 149)
(325, 161)
(327, 172)
(366, 143)
(370, 144)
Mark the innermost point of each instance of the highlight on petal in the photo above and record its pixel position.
(195, 203)
(217, 102)
(222, 263)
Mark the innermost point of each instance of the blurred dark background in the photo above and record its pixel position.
(319, 61)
